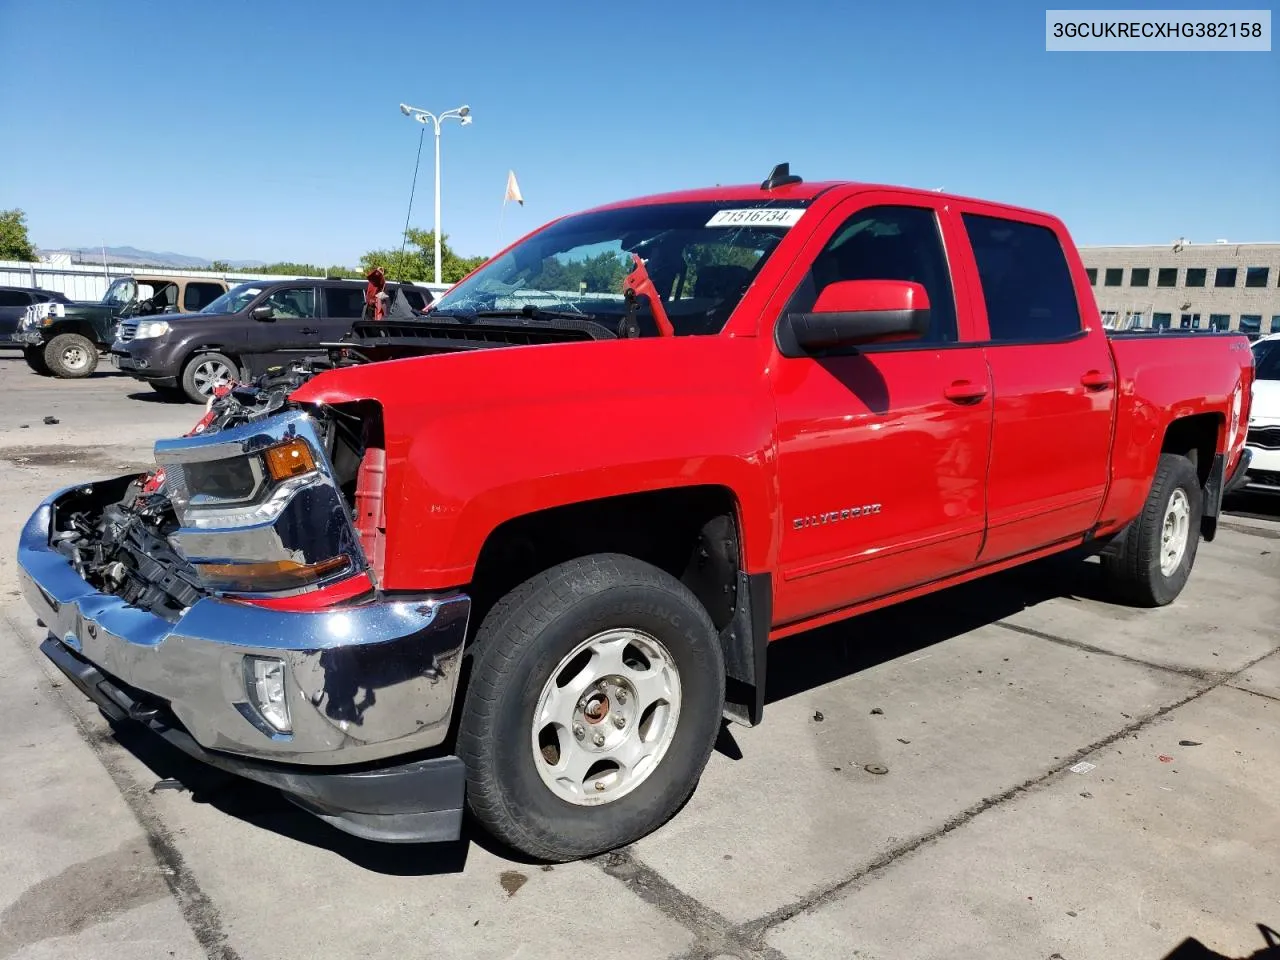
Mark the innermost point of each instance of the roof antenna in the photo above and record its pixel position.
(780, 176)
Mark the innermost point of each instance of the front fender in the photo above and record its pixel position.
(476, 439)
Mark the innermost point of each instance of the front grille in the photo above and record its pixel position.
(1264, 438)
(1264, 478)
(126, 330)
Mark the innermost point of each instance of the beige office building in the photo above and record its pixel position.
(1188, 286)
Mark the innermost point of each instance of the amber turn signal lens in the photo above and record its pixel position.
(268, 576)
(291, 459)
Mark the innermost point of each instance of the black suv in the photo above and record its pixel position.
(13, 304)
(243, 333)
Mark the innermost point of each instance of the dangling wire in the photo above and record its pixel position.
(405, 238)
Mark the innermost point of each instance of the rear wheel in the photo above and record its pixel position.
(35, 360)
(203, 372)
(1148, 564)
(595, 698)
(71, 356)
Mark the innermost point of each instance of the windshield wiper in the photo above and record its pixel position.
(529, 311)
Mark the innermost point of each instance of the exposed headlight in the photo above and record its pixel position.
(264, 682)
(151, 328)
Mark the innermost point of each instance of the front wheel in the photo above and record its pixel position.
(205, 371)
(71, 356)
(595, 698)
(1149, 563)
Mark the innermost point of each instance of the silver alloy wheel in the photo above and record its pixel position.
(75, 357)
(606, 717)
(1174, 533)
(208, 374)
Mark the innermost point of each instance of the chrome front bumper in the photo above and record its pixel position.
(364, 682)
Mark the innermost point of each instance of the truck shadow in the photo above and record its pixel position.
(821, 656)
(795, 665)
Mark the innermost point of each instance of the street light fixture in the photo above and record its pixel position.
(463, 115)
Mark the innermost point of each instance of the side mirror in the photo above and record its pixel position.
(852, 312)
(262, 313)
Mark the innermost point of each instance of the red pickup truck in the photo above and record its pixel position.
(529, 565)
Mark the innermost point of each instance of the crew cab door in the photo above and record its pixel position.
(882, 450)
(292, 331)
(1054, 380)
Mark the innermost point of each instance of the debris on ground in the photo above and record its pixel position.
(1084, 766)
(817, 716)
(169, 783)
(876, 711)
(876, 768)
(1086, 794)
(51, 420)
(1189, 743)
(1165, 758)
(903, 740)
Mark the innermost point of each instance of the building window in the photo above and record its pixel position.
(1135, 320)
(1190, 321)
(1219, 321)
(1161, 321)
(1256, 276)
(1225, 277)
(1195, 276)
(1108, 319)
(1275, 323)
(1252, 322)
(1093, 276)
(1141, 276)
(1114, 276)
(1167, 277)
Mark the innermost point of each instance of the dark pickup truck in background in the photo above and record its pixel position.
(251, 328)
(63, 338)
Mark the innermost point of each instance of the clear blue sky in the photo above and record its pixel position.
(270, 130)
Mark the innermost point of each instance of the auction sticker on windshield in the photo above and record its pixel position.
(757, 217)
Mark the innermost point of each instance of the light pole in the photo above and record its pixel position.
(462, 114)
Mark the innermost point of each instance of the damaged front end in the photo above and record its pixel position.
(229, 602)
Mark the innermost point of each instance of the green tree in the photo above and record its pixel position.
(417, 260)
(14, 242)
(221, 266)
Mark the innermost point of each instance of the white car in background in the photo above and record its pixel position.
(1263, 439)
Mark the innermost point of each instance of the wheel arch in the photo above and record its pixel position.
(1199, 437)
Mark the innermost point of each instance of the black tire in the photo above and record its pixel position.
(196, 367)
(169, 394)
(521, 642)
(35, 360)
(71, 356)
(1131, 563)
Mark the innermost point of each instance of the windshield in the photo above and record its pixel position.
(234, 300)
(700, 257)
(121, 292)
(1266, 360)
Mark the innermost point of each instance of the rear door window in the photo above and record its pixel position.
(343, 302)
(1026, 283)
(14, 298)
(197, 296)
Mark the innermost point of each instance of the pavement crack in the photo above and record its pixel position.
(754, 931)
(716, 935)
(1256, 693)
(197, 909)
(1194, 673)
(1250, 531)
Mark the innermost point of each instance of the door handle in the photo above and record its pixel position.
(965, 391)
(1096, 380)
(310, 330)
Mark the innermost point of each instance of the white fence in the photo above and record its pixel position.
(84, 281)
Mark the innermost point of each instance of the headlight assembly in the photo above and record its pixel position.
(148, 329)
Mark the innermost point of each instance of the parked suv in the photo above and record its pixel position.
(63, 339)
(241, 334)
(14, 302)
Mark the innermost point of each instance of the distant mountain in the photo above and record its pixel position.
(132, 256)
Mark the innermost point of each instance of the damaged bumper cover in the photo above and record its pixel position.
(364, 684)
